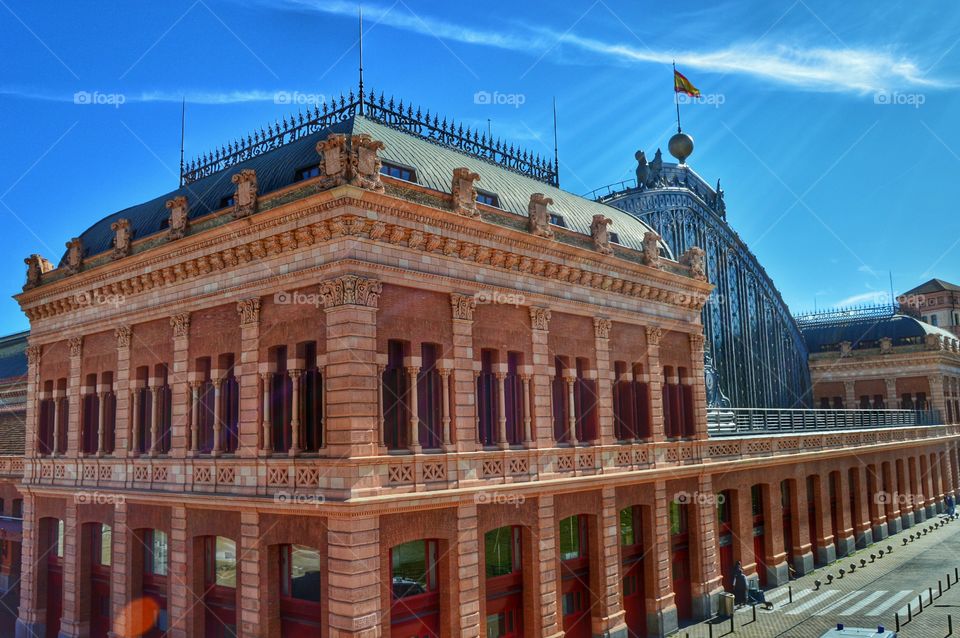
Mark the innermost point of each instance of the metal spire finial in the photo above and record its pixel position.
(360, 16)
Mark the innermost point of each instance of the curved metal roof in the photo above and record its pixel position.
(900, 328)
(433, 162)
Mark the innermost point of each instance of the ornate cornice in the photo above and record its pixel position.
(350, 290)
(249, 311)
(561, 269)
(180, 324)
(463, 306)
(539, 318)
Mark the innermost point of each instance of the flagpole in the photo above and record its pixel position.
(676, 98)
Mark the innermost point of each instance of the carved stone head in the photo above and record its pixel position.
(651, 249)
(179, 211)
(600, 233)
(36, 267)
(464, 192)
(539, 216)
(245, 198)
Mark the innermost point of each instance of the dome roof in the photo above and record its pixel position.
(432, 162)
(902, 329)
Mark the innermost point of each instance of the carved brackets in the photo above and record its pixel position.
(464, 192)
(178, 222)
(539, 216)
(245, 198)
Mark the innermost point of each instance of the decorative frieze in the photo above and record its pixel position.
(180, 324)
(178, 221)
(539, 318)
(464, 192)
(463, 306)
(350, 290)
(249, 311)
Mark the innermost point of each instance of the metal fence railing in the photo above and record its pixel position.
(746, 421)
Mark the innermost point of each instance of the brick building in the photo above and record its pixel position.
(937, 302)
(375, 376)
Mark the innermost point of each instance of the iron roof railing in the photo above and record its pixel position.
(764, 421)
(843, 316)
(387, 112)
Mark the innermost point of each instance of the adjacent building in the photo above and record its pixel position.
(936, 302)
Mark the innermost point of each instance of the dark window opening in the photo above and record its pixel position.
(399, 172)
(557, 220)
(489, 199)
(306, 172)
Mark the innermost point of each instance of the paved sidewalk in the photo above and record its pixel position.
(867, 597)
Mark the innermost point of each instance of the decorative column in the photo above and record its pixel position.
(249, 580)
(893, 400)
(698, 385)
(464, 383)
(155, 411)
(850, 395)
(610, 618)
(526, 375)
(775, 554)
(708, 584)
(181, 599)
(195, 416)
(938, 397)
(467, 557)
(655, 384)
(121, 382)
(181, 390)
(546, 564)
(34, 354)
(542, 388)
(350, 303)
(74, 399)
(103, 394)
(501, 376)
(353, 565)
(217, 381)
(601, 346)
(57, 408)
(862, 526)
(295, 443)
(800, 532)
(662, 619)
(381, 417)
(570, 377)
(412, 366)
(135, 421)
(120, 573)
(265, 417)
(247, 374)
(445, 368)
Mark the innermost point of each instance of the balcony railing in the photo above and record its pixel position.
(746, 421)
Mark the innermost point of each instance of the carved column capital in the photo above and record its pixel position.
(350, 290)
(76, 346)
(601, 327)
(249, 311)
(33, 355)
(123, 335)
(463, 306)
(696, 342)
(539, 318)
(180, 324)
(654, 335)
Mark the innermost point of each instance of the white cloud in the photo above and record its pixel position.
(847, 69)
(865, 298)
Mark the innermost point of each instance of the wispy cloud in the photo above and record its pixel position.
(192, 97)
(871, 297)
(841, 69)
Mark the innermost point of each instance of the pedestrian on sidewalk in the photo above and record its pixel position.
(739, 585)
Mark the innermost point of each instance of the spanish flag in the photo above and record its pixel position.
(682, 85)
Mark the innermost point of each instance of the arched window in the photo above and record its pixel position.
(396, 413)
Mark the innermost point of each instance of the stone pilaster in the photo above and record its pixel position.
(610, 618)
(938, 397)
(927, 486)
(354, 577)
(655, 373)
(248, 376)
(31, 613)
(698, 385)
(741, 514)
(891, 480)
(464, 383)
(916, 490)
(850, 395)
(878, 513)
(825, 549)
(121, 386)
(601, 341)
(708, 583)
(121, 575)
(800, 534)
(775, 554)
(662, 619)
(350, 304)
(860, 515)
(179, 382)
(893, 401)
(34, 354)
(467, 557)
(180, 600)
(542, 373)
(76, 577)
(546, 561)
(249, 616)
(846, 544)
(73, 398)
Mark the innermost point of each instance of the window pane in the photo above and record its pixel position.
(570, 538)
(60, 538)
(225, 562)
(409, 569)
(159, 553)
(627, 535)
(305, 573)
(499, 550)
(106, 545)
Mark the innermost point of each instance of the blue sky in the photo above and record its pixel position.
(831, 125)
